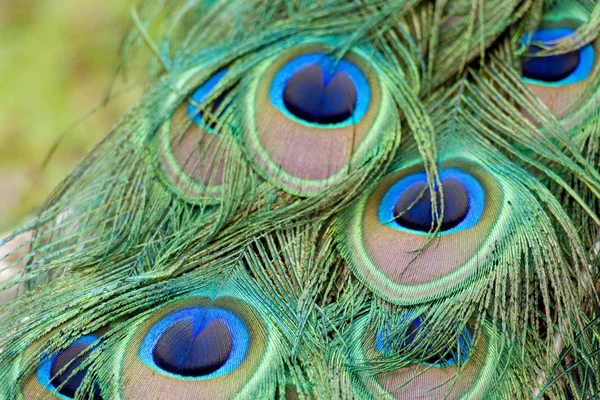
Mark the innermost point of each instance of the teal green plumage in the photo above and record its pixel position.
(254, 227)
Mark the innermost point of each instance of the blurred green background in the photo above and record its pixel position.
(57, 59)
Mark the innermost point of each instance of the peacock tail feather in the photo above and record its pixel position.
(326, 199)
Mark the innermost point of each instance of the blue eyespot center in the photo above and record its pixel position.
(456, 354)
(319, 90)
(196, 343)
(556, 70)
(185, 351)
(407, 205)
(551, 68)
(413, 210)
(58, 372)
(200, 96)
(316, 96)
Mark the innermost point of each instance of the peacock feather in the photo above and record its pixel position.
(333, 199)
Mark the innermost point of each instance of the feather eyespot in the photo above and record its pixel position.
(555, 70)
(468, 370)
(196, 342)
(566, 83)
(407, 205)
(201, 94)
(63, 372)
(455, 355)
(317, 89)
(197, 345)
(312, 118)
(191, 147)
(384, 233)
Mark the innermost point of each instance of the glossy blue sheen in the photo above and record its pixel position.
(474, 190)
(413, 209)
(319, 96)
(185, 350)
(460, 355)
(330, 67)
(43, 373)
(202, 93)
(548, 37)
(200, 317)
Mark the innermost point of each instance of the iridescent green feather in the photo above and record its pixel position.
(178, 219)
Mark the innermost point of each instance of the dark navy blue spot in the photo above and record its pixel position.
(196, 343)
(441, 358)
(316, 96)
(201, 94)
(559, 69)
(415, 213)
(63, 367)
(550, 68)
(454, 354)
(185, 351)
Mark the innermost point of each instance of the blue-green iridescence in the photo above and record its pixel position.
(317, 89)
(560, 69)
(196, 342)
(202, 93)
(185, 350)
(407, 206)
(57, 373)
(316, 96)
(458, 355)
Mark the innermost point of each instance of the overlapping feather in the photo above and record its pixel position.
(123, 238)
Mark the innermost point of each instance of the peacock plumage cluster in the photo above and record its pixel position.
(327, 199)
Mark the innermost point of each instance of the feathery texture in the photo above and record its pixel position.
(327, 199)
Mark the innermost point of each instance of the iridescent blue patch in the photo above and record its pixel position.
(201, 94)
(331, 68)
(44, 374)
(475, 194)
(200, 317)
(460, 355)
(557, 70)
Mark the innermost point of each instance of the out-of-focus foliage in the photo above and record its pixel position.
(57, 60)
